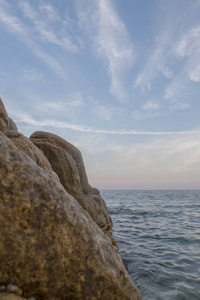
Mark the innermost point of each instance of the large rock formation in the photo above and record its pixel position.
(66, 160)
(4, 120)
(6, 123)
(41, 137)
(51, 246)
(24, 144)
(12, 125)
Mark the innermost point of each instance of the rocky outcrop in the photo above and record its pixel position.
(12, 125)
(45, 137)
(4, 121)
(12, 292)
(50, 246)
(66, 160)
(6, 296)
(25, 145)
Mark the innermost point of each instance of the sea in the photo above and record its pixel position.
(158, 233)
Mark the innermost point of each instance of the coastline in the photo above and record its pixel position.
(56, 231)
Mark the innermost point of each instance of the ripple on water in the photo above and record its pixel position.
(158, 233)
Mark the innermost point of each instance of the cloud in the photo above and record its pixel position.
(43, 26)
(156, 64)
(175, 55)
(49, 12)
(188, 48)
(152, 106)
(176, 153)
(31, 75)
(59, 124)
(110, 41)
(49, 106)
(106, 112)
(26, 34)
(167, 161)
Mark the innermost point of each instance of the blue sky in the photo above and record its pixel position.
(118, 79)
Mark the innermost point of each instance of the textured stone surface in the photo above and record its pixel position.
(66, 160)
(46, 137)
(4, 121)
(5, 296)
(24, 144)
(12, 288)
(12, 125)
(50, 247)
(64, 166)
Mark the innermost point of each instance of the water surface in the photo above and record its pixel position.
(158, 233)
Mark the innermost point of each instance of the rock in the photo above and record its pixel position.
(46, 137)
(95, 191)
(3, 289)
(66, 160)
(24, 144)
(50, 247)
(64, 166)
(114, 242)
(4, 121)
(6, 296)
(11, 288)
(12, 125)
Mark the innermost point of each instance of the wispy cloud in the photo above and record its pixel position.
(59, 124)
(106, 112)
(33, 36)
(156, 64)
(173, 59)
(43, 26)
(188, 48)
(167, 161)
(32, 75)
(110, 41)
(176, 153)
(56, 106)
(150, 105)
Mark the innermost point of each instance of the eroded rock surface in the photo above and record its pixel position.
(24, 144)
(12, 125)
(66, 160)
(4, 120)
(46, 137)
(50, 247)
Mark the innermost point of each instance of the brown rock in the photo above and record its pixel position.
(12, 125)
(6, 296)
(4, 121)
(64, 166)
(62, 253)
(95, 191)
(66, 160)
(12, 288)
(46, 137)
(24, 144)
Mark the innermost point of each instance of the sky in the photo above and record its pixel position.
(119, 79)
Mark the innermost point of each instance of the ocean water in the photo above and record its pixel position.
(158, 233)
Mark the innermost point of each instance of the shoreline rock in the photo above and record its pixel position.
(56, 235)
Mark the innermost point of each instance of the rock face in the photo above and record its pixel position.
(66, 160)
(12, 125)
(46, 137)
(4, 121)
(5, 296)
(24, 144)
(50, 246)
